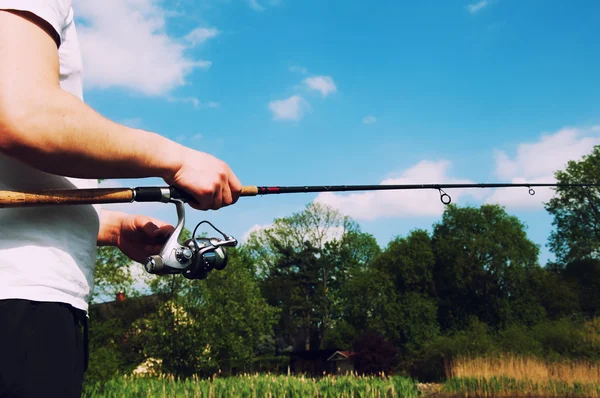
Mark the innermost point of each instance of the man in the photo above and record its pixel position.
(50, 139)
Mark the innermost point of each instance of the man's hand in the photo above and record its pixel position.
(137, 236)
(209, 180)
(142, 236)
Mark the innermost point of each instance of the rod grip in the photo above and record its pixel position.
(179, 194)
(249, 191)
(65, 197)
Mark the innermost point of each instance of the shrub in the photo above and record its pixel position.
(374, 354)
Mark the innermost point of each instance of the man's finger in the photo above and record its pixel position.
(217, 199)
(235, 187)
(226, 195)
(147, 226)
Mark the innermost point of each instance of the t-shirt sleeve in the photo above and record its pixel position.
(53, 12)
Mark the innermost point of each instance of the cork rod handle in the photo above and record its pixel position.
(65, 197)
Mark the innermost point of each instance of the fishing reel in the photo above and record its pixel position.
(195, 257)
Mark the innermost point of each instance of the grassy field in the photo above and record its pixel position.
(511, 376)
(506, 376)
(252, 386)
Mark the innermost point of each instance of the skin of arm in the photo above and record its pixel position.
(51, 130)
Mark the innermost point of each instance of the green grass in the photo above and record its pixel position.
(252, 386)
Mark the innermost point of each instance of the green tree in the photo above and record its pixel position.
(558, 295)
(584, 276)
(576, 212)
(317, 224)
(112, 274)
(302, 261)
(483, 268)
(211, 324)
(409, 261)
(371, 303)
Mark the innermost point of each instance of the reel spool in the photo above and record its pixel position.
(195, 257)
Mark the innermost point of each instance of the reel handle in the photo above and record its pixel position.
(155, 264)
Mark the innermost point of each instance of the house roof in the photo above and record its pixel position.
(340, 355)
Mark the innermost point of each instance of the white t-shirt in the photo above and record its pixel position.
(48, 253)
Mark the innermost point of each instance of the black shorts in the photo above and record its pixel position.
(42, 349)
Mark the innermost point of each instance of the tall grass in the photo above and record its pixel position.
(522, 376)
(511, 387)
(525, 368)
(257, 385)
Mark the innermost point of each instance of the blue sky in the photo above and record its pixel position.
(314, 92)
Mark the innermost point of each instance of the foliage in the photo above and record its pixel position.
(411, 316)
(105, 356)
(112, 274)
(576, 212)
(316, 225)
(520, 340)
(374, 354)
(210, 324)
(302, 262)
(483, 268)
(584, 276)
(410, 262)
(370, 302)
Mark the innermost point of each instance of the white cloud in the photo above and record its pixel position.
(194, 101)
(298, 69)
(519, 198)
(186, 100)
(260, 6)
(537, 162)
(332, 233)
(395, 203)
(124, 44)
(255, 5)
(323, 84)
(200, 35)
(291, 108)
(369, 119)
(550, 153)
(254, 228)
(474, 8)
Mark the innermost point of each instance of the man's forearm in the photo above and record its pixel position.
(56, 132)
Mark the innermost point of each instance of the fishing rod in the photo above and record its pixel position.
(194, 258)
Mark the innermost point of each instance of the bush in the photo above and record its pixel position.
(519, 340)
(374, 354)
(560, 339)
(473, 341)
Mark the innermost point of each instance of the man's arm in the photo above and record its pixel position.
(52, 130)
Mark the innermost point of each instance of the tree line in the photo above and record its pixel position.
(314, 280)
